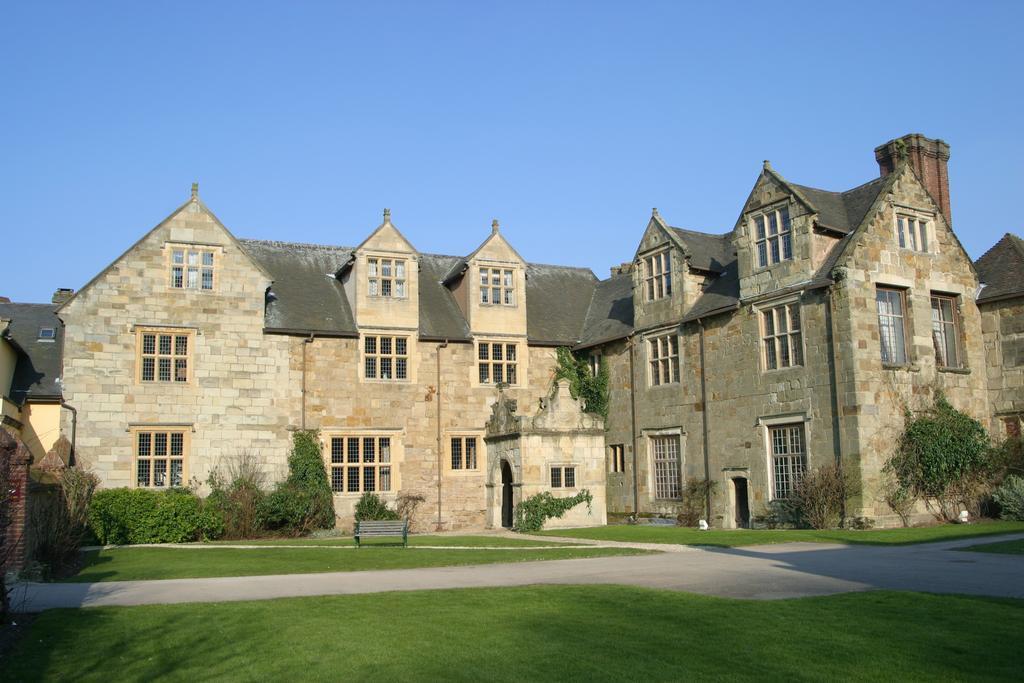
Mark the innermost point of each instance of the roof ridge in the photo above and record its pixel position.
(702, 233)
(286, 243)
(28, 303)
(556, 265)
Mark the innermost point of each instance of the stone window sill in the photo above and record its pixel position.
(956, 371)
(908, 367)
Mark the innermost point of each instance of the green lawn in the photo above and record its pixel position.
(562, 633)
(738, 537)
(130, 564)
(416, 540)
(1004, 548)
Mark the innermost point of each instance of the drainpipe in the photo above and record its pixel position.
(74, 428)
(632, 411)
(705, 418)
(439, 449)
(305, 343)
(833, 358)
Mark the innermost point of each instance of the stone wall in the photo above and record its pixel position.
(1003, 329)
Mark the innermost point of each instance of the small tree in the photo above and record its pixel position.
(819, 497)
(303, 501)
(941, 456)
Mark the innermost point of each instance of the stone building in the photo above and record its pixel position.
(792, 340)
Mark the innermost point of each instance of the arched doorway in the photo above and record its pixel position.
(741, 504)
(506, 494)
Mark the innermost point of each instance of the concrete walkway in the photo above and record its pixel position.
(759, 572)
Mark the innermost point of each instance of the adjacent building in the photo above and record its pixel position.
(791, 339)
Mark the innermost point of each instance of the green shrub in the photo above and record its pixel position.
(532, 513)
(370, 508)
(583, 384)
(304, 501)
(128, 516)
(942, 457)
(695, 498)
(1010, 497)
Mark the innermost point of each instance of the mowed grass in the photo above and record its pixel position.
(563, 633)
(740, 537)
(135, 564)
(414, 540)
(1004, 548)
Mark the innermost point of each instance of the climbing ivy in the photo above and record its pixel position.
(583, 384)
(535, 510)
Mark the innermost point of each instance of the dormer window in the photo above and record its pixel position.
(657, 276)
(912, 233)
(192, 268)
(497, 286)
(773, 237)
(386, 277)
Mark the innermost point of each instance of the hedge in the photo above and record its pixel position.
(128, 516)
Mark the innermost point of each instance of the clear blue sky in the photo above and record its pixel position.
(567, 121)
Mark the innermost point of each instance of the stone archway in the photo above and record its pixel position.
(507, 504)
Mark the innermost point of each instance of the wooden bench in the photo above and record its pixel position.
(373, 529)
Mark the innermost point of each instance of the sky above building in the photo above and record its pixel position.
(567, 121)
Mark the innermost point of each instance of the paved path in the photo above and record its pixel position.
(758, 572)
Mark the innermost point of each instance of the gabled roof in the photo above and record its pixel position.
(1001, 269)
(306, 297)
(38, 371)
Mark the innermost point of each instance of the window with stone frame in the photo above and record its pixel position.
(463, 451)
(912, 232)
(385, 277)
(892, 325)
(563, 476)
(617, 458)
(385, 357)
(497, 362)
(773, 236)
(789, 458)
(657, 275)
(164, 355)
(667, 468)
(192, 267)
(946, 331)
(160, 457)
(663, 359)
(361, 463)
(498, 286)
(781, 336)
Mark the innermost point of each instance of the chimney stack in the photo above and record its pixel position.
(62, 295)
(928, 158)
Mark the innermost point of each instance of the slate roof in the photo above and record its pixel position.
(707, 252)
(306, 297)
(841, 211)
(1001, 269)
(37, 373)
(610, 312)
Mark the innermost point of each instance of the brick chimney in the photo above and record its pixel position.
(927, 157)
(62, 295)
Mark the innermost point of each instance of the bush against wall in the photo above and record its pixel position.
(129, 516)
(371, 508)
(237, 490)
(1010, 497)
(696, 493)
(584, 385)
(942, 458)
(407, 505)
(532, 513)
(59, 518)
(303, 502)
(819, 497)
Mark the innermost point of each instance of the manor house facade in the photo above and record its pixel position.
(792, 340)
